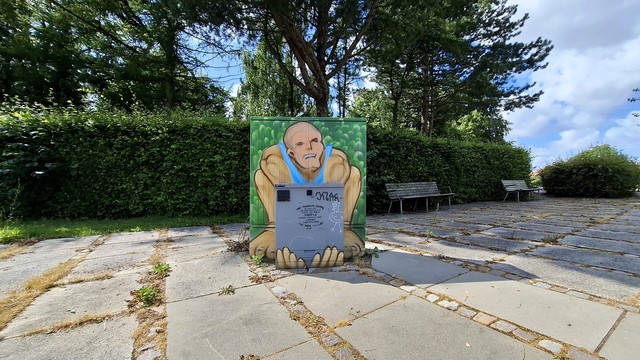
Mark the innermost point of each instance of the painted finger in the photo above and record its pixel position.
(333, 256)
(315, 262)
(340, 258)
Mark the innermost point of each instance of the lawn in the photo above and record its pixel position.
(21, 230)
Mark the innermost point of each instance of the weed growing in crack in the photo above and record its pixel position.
(257, 259)
(146, 295)
(227, 290)
(161, 269)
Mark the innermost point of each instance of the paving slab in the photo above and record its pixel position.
(307, 350)
(251, 321)
(607, 284)
(397, 238)
(601, 259)
(612, 226)
(71, 302)
(611, 235)
(203, 276)
(114, 249)
(496, 242)
(17, 270)
(519, 234)
(64, 243)
(422, 271)
(90, 342)
(571, 224)
(463, 252)
(189, 231)
(623, 343)
(387, 224)
(555, 229)
(136, 262)
(461, 226)
(193, 247)
(602, 244)
(130, 237)
(416, 329)
(339, 296)
(572, 320)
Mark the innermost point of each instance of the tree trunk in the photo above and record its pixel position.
(321, 97)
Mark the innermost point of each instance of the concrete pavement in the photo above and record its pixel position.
(540, 279)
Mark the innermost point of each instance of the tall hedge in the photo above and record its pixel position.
(472, 170)
(112, 165)
(69, 164)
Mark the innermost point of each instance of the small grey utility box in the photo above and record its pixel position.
(309, 217)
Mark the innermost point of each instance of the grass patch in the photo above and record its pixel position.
(12, 251)
(70, 324)
(19, 230)
(15, 302)
(85, 278)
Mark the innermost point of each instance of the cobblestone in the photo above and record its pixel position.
(451, 305)
(485, 319)
(343, 354)
(577, 354)
(524, 335)
(503, 326)
(330, 340)
(432, 298)
(552, 346)
(466, 312)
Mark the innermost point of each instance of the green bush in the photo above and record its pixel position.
(601, 171)
(472, 170)
(114, 165)
(70, 164)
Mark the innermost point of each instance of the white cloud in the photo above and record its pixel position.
(233, 91)
(625, 135)
(592, 69)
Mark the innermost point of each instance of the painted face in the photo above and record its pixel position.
(304, 145)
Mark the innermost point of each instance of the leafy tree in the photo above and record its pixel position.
(40, 56)
(453, 57)
(323, 36)
(127, 52)
(374, 105)
(265, 90)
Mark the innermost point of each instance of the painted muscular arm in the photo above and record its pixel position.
(273, 170)
(338, 170)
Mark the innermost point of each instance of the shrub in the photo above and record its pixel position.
(472, 170)
(71, 164)
(601, 171)
(64, 163)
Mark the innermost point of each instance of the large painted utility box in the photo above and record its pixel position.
(309, 153)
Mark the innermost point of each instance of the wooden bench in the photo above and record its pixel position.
(415, 190)
(517, 187)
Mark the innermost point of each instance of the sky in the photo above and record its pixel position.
(593, 68)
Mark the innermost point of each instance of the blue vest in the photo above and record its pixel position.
(296, 176)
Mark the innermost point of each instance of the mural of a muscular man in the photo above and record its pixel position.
(303, 158)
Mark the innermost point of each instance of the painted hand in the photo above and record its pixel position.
(353, 246)
(331, 257)
(285, 259)
(264, 244)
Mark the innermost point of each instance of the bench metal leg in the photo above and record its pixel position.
(400, 207)
(449, 202)
(390, 205)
